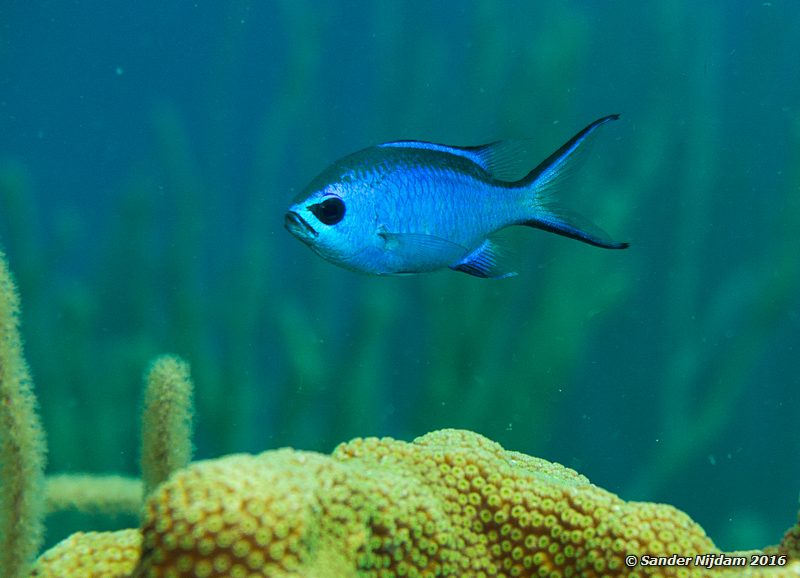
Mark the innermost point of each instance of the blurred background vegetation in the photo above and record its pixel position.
(148, 152)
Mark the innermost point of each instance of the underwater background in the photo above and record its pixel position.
(148, 152)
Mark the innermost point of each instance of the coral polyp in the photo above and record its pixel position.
(451, 503)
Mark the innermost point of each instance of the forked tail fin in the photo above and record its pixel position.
(542, 182)
(572, 225)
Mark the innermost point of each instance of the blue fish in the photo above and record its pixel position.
(410, 207)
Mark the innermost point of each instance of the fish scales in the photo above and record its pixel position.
(411, 207)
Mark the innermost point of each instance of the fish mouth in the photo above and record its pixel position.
(298, 226)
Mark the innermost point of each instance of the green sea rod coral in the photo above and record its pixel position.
(166, 420)
(166, 447)
(22, 444)
(108, 494)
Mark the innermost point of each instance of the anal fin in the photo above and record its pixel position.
(482, 262)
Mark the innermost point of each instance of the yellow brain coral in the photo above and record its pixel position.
(91, 555)
(452, 503)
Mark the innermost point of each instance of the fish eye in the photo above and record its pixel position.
(330, 211)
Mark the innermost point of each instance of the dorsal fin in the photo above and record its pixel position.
(504, 160)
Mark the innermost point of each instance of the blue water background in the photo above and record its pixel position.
(149, 149)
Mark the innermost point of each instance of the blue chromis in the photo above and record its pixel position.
(410, 207)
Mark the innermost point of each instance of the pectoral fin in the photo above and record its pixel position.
(418, 242)
(419, 252)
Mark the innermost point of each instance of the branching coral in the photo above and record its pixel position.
(22, 446)
(93, 493)
(25, 495)
(166, 420)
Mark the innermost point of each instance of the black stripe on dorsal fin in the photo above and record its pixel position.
(504, 160)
